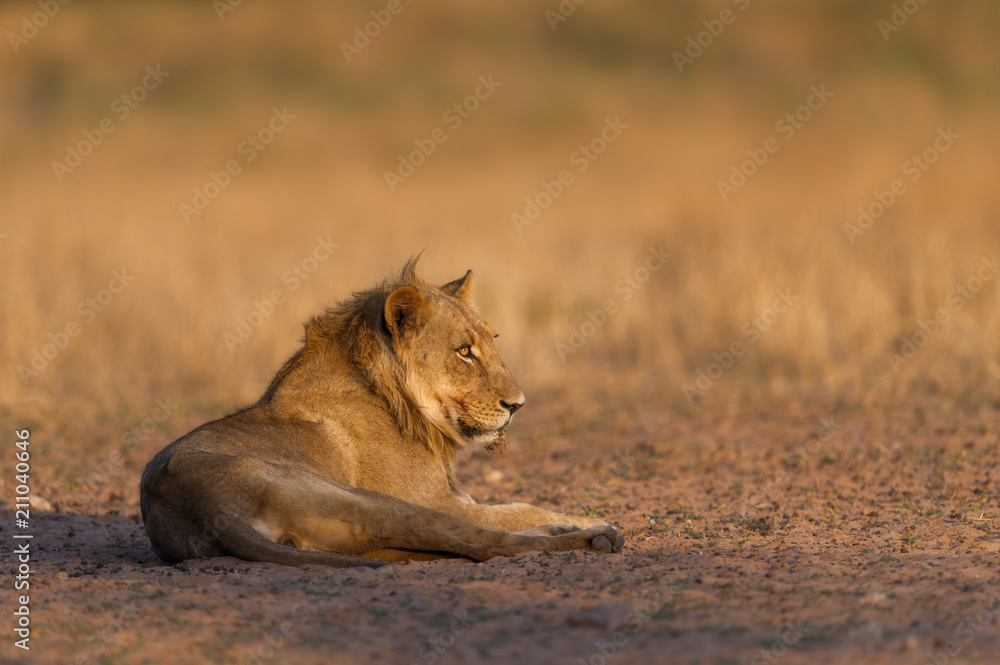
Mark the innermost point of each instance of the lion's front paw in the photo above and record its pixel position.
(605, 539)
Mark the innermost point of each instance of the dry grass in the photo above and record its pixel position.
(656, 185)
(717, 493)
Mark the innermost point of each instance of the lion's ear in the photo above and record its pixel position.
(406, 312)
(460, 288)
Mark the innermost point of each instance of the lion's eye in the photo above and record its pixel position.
(465, 351)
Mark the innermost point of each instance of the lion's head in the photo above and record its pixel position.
(452, 369)
(424, 351)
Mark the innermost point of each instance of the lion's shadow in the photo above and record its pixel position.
(78, 543)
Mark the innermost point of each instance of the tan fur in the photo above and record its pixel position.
(351, 450)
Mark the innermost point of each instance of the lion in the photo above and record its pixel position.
(348, 458)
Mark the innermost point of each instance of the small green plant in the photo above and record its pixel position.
(760, 525)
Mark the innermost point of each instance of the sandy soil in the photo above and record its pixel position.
(768, 530)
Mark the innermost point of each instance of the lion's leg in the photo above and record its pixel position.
(314, 513)
(515, 517)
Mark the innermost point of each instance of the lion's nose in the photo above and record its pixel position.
(513, 405)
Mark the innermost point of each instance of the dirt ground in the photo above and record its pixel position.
(769, 530)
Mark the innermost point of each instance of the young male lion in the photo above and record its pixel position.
(351, 450)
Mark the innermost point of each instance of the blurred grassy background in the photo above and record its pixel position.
(656, 185)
